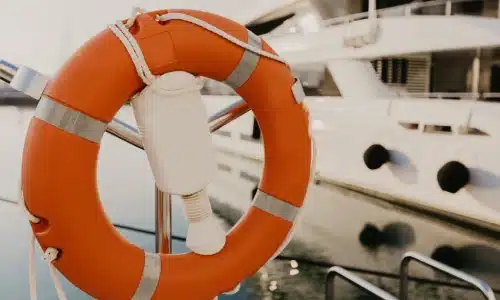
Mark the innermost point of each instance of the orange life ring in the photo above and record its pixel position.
(61, 151)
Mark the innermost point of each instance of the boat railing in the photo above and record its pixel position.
(400, 10)
(408, 257)
(456, 96)
(491, 95)
(437, 95)
(383, 12)
(131, 135)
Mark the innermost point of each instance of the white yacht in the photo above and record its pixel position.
(403, 103)
(383, 86)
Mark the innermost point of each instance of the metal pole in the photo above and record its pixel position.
(372, 9)
(447, 9)
(409, 9)
(163, 221)
(354, 280)
(125, 132)
(476, 68)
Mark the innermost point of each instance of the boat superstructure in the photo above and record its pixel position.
(420, 80)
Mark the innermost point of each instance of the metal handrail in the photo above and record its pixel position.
(491, 95)
(482, 286)
(406, 9)
(363, 15)
(129, 133)
(125, 132)
(398, 10)
(354, 280)
(440, 95)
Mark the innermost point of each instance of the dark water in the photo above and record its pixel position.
(338, 227)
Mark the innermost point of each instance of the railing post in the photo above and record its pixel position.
(403, 278)
(448, 8)
(476, 65)
(409, 9)
(498, 9)
(372, 9)
(163, 221)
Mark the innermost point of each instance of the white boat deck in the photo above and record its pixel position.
(396, 36)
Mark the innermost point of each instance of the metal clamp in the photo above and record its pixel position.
(247, 64)
(70, 120)
(150, 277)
(30, 82)
(275, 206)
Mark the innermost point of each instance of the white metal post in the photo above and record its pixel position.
(409, 9)
(476, 65)
(372, 9)
(448, 8)
(498, 9)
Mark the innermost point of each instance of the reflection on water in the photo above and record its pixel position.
(360, 233)
(338, 227)
(397, 235)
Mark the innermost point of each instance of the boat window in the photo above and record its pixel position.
(409, 125)
(471, 7)
(395, 68)
(222, 133)
(249, 177)
(464, 130)
(224, 167)
(437, 129)
(249, 138)
(403, 71)
(392, 70)
(384, 71)
(495, 82)
(256, 130)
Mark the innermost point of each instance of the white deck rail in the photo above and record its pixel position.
(401, 10)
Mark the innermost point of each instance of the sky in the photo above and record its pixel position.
(42, 34)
